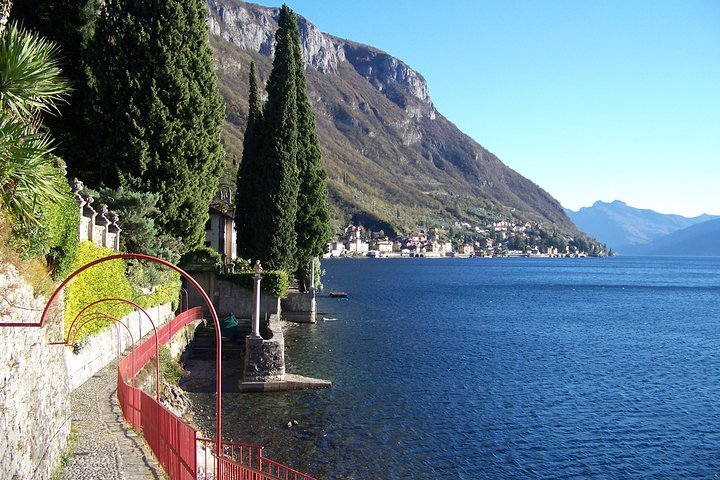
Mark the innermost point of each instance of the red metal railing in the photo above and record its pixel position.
(176, 445)
(171, 440)
(242, 461)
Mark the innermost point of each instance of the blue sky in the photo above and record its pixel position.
(590, 100)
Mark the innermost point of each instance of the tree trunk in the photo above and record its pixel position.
(5, 6)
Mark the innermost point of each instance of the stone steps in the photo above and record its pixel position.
(203, 344)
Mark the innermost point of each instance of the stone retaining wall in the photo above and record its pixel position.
(36, 378)
(265, 358)
(106, 346)
(299, 307)
(34, 387)
(228, 297)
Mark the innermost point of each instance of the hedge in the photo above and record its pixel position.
(273, 282)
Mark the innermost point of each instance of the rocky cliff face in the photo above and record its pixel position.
(252, 28)
(389, 154)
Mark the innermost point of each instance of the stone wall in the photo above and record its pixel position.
(36, 378)
(265, 357)
(34, 389)
(227, 297)
(299, 307)
(106, 346)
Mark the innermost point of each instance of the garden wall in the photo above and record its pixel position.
(36, 378)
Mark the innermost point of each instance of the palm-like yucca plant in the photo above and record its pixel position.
(30, 84)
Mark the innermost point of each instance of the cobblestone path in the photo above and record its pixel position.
(105, 447)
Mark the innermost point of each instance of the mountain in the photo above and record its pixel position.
(392, 159)
(627, 229)
(702, 239)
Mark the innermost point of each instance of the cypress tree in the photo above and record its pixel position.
(312, 225)
(158, 112)
(277, 204)
(69, 24)
(248, 175)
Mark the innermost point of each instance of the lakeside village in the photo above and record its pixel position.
(496, 239)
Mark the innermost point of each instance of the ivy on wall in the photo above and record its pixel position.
(109, 280)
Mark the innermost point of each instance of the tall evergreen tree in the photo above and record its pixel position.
(158, 112)
(277, 203)
(248, 176)
(313, 218)
(69, 24)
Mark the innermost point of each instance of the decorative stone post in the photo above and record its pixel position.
(76, 185)
(312, 275)
(115, 230)
(313, 304)
(101, 226)
(264, 359)
(256, 300)
(89, 213)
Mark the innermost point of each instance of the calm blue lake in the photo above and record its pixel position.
(503, 368)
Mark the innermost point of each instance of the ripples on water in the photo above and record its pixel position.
(503, 368)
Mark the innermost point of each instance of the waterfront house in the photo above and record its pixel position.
(357, 247)
(335, 249)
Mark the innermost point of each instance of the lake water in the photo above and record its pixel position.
(502, 368)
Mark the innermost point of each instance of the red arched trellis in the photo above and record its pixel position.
(129, 302)
(208, 303)
(106, 317)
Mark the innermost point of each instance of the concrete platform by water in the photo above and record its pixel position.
(291, 382)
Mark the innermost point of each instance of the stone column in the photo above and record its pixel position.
(256, 301)
(115, 230)
(313, 305)
(102, 221)
(89, 213)
(76, 185)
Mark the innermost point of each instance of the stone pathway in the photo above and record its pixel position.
(105, 447)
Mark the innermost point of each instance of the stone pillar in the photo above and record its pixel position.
(114, 229)
(89, 213)
(101, 224)
(256, 301)
(313, 305)
(76, 185)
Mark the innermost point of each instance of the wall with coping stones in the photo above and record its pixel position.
(103, 348)
(36, 379)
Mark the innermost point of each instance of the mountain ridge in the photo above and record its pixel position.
(628, 229)
(700, 239)
(391, 157)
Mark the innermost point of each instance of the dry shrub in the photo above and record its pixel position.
(34, 271)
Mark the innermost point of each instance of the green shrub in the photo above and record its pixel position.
(274, 282)
(202, 259)
(167, 292)
(104, 280)
(170, 369)
(109, 280)
(52, 235)
(62, 222)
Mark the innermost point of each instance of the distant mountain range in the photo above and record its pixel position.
(629, 230)
(393, 161)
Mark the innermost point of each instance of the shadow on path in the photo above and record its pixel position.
(105, 447)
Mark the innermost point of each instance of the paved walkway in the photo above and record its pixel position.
(105, 447)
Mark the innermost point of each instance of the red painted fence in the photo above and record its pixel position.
(182, 454)
(243, 462)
